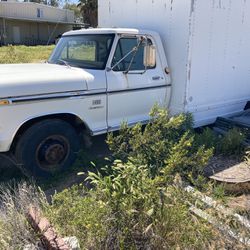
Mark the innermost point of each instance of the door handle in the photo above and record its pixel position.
(155, 78)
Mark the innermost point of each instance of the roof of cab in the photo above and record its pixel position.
(103, 31)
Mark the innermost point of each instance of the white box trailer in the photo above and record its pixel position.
(207, 44)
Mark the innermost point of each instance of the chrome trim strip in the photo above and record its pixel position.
(117, 127)
(58, 95)
(76, 93)
(139, 89)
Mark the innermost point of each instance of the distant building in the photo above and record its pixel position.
(31, 23)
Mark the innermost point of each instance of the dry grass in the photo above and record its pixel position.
(24, 54)
(15, 231)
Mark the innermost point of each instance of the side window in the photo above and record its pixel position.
(124, 46)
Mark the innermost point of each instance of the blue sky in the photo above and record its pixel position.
(69, 1)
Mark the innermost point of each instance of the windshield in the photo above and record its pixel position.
(84, 51)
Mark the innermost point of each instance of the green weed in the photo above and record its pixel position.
(232, 142)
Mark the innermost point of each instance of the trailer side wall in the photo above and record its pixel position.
(171, 19)
(219, 58)
(207, 44)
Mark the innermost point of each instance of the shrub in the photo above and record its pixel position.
(164, 142)
(77, 212)
(207, 138)
(232, 142)
(135, 203)
(129, 210)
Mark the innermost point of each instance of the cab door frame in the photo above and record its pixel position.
(131, 96)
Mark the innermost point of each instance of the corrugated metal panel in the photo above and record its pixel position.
(34, 11)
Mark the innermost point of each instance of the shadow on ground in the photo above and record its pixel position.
(88, 159)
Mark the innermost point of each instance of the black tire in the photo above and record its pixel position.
(47, 147)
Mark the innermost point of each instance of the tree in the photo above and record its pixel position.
(74, 8)
(88, 9)
(54, 3)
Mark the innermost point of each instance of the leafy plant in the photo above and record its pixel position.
(128, 210)
(136, 203)
(164, 142)
(232, 142)
(207, 138)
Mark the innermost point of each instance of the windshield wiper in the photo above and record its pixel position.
(65, 62)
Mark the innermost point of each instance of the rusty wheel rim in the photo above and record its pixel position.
(52, 152)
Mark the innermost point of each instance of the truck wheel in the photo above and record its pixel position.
(47, 147)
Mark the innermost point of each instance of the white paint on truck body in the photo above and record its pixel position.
(102, 99)
(207, 47)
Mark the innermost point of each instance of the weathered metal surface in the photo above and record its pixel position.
(228, 170)
(238, 173)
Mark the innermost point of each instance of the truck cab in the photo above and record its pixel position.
(94, 80)
(122, 85)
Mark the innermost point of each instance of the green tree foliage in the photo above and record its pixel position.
(54, 3)
(73, 7)
(88, 9)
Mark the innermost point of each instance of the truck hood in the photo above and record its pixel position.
(43, 78)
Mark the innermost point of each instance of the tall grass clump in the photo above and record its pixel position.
(15, 231)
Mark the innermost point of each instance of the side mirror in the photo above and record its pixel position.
(149, 59)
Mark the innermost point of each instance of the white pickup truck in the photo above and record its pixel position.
(97, 78)
(93, 81)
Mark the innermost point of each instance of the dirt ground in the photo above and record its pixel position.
(234, 174)
(96, 153)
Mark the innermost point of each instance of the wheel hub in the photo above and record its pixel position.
(54, 153)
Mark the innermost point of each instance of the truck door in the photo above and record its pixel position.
(131, 95)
